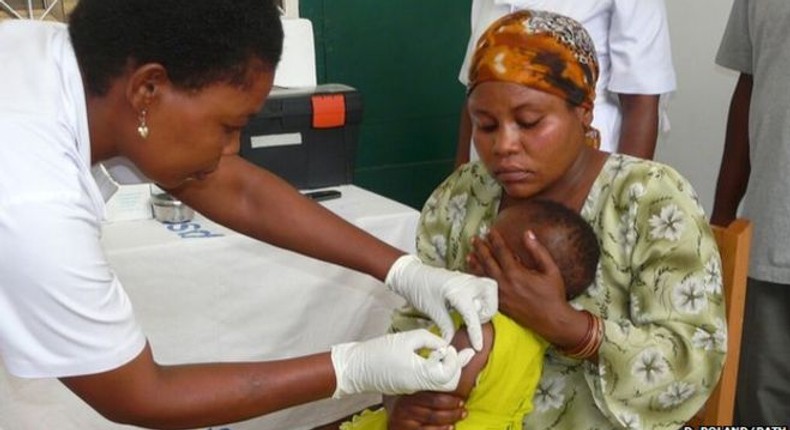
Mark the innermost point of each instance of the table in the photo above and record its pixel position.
(205, 293)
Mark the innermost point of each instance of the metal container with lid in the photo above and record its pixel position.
(168, 209)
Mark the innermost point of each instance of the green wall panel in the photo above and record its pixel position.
(403, 56)
(414, 181)
(414, 140)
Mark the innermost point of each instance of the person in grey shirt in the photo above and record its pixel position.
(753, 172)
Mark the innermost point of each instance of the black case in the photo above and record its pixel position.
(306, 136)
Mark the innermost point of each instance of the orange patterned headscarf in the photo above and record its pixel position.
(541, 50)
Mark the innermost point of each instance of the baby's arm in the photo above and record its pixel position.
(412, 408)
(471, 370)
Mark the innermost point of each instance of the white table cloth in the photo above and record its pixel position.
(205, 293)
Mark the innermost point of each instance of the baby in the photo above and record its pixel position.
(500, 381)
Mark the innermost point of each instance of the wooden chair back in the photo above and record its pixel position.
(734, 243)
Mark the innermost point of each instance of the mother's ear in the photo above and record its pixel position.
(145, 85)
(585, 115)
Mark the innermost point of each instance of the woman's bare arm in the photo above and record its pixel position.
(146, 394)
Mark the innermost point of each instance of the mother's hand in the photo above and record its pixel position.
(426, 410)
(532, 296)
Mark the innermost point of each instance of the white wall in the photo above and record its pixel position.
(291, 8)
(698, 110)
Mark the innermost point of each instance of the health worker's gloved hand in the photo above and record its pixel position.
(391, 365)
(430, 289)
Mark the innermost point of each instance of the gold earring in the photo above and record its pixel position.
(142, 127)
(592, 137)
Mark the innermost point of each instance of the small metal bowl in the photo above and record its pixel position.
(170, 210)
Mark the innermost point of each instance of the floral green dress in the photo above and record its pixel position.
(658, 289)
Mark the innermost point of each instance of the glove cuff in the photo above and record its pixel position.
(340, 354)
(393, 281)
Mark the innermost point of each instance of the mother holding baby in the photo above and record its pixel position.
(643, 346)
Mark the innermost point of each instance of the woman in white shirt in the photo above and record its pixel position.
(168, 85)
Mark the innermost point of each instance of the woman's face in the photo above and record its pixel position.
(191, 130)
(527, 139)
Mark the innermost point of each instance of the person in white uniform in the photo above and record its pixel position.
(753, 174)
(632, 44)
(167, 86)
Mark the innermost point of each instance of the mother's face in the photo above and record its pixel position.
(527, 139)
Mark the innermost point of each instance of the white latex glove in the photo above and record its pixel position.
(430, 289)
(391, 365)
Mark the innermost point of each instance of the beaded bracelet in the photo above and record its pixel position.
(589, 344)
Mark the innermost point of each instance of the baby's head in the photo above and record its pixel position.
(564, 233)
